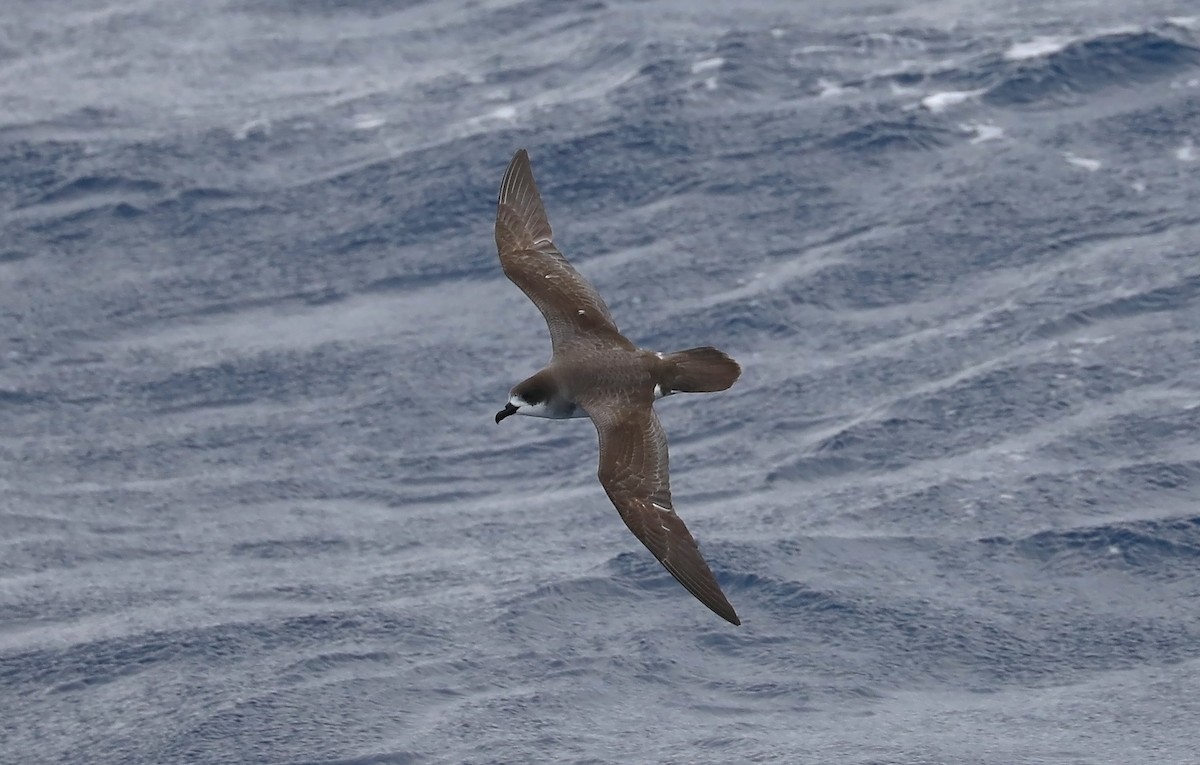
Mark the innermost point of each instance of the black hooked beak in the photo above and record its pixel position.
(505, 412)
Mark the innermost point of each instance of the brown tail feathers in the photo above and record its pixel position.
(698, 370)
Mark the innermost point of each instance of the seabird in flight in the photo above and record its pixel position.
(597, 372)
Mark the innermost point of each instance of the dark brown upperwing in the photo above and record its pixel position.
(634, 473)
(530, 260)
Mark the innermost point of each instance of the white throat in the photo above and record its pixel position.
(551, 409)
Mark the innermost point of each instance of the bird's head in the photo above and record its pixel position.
(530, 397)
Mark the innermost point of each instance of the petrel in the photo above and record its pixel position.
(597, 372)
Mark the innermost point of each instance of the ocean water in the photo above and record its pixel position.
(253, 504)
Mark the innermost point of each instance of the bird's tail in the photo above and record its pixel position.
(698, 370)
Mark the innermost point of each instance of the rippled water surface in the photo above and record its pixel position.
(253, 504)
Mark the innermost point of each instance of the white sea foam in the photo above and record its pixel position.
(707, 64)
(368, 122)
(829, 89)
(1091, 165)
(939, 102)
(982, 131)
(1038, 46)
(807, 50)
(255, 127)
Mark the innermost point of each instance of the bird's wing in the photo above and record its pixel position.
(571, 306)
(634, 473)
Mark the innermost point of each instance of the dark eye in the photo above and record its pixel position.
(533, 396)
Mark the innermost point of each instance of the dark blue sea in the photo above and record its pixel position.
(254, 507)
